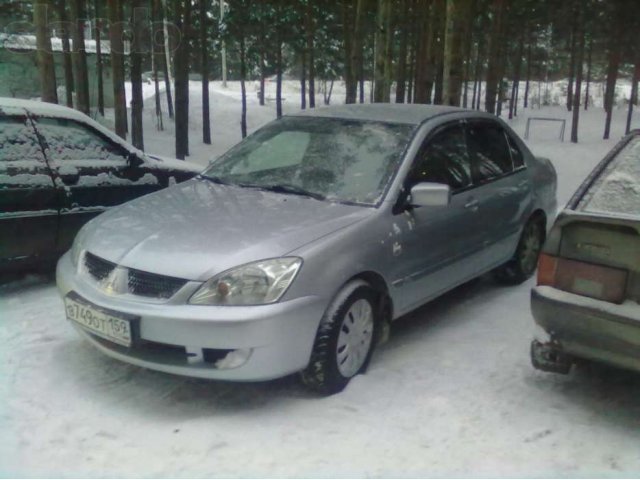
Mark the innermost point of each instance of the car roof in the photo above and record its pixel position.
(411, 114)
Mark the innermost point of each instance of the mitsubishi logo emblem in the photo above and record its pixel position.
(116, 282)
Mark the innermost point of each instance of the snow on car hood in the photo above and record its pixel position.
(197, 229)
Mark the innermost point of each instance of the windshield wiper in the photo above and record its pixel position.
(288, 189)
(214, 179)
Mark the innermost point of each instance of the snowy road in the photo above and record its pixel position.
(451, 394)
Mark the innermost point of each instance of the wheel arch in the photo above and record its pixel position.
(379, 285)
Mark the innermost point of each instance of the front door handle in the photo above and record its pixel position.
(472, 204)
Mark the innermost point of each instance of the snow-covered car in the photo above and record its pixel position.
(586, 300)
(58, 169)
(294, 250)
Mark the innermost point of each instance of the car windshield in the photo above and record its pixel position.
(617, 189)
(342, 160)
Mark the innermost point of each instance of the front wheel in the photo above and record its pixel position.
(525, 260)
(345, 339)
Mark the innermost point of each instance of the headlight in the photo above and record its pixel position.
(77, 248)
(256, 283)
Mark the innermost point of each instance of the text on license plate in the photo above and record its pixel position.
(106, 326)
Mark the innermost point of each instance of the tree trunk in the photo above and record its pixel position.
(383, 24)
(117, 67)
(355, 54)
(181, 64)
(455, 20)
(572, 62)
(634, 91)
(156, 52)
(412, 62)
(502, 65)
(139, 30)
(79, 55)
(46, 66)
(612, 77)
(347, 26)
(66, 51)
(278, 76)
(243, 89)
(422, 46)
(586, 90)
(516, 77)
(310, 31)
(204, 67)
(303, 79)
(263, 52)
(99, 64)
(578, 70)
(493, 67)
(468, 40)
(166, 54)
(401, 79)
(526, 85)
(437, 50)
(477, 74)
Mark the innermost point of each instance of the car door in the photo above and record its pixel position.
(92, 171)
(503, 189)
(435, 251)
(28, 204)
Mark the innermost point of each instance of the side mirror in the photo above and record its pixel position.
(133, 160)
(427, 194)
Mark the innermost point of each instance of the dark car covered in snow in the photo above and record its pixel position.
(588, 293)
(59, 169)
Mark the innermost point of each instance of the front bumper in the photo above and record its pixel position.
(172, 336)
(589, 328)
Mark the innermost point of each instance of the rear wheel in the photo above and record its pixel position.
(525, 260)
(345, 339)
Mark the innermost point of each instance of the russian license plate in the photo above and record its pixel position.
(99, 323)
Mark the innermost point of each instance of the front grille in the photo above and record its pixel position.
(132, 281)
(148, 284)
(97, 267)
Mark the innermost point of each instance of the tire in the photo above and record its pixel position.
(525, 261)
(339, 352)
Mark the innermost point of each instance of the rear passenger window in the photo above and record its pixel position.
(18, 141)
(444, 159)
(516, 153)
(490, 150)
(68, 140)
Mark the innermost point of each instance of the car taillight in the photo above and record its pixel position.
(582, 278)
(547, 269)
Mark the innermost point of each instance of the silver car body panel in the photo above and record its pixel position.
(198, 229)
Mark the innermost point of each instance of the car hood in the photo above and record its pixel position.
(197, 229)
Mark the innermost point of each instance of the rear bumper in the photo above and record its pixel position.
(173, 337)
(589, 328)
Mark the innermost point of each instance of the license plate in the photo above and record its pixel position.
(109, 327)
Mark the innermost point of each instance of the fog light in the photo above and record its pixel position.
(226, 359)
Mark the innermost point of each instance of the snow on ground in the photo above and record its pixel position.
(452, 394)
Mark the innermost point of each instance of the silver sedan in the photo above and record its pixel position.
(295, 250)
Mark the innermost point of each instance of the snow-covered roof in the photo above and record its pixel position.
(11, 41)
(413, 114)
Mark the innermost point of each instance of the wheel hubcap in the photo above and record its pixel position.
(355, 338)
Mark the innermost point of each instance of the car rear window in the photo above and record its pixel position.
(617, 189)
(18, 141)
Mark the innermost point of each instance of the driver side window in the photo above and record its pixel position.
(444, 159)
